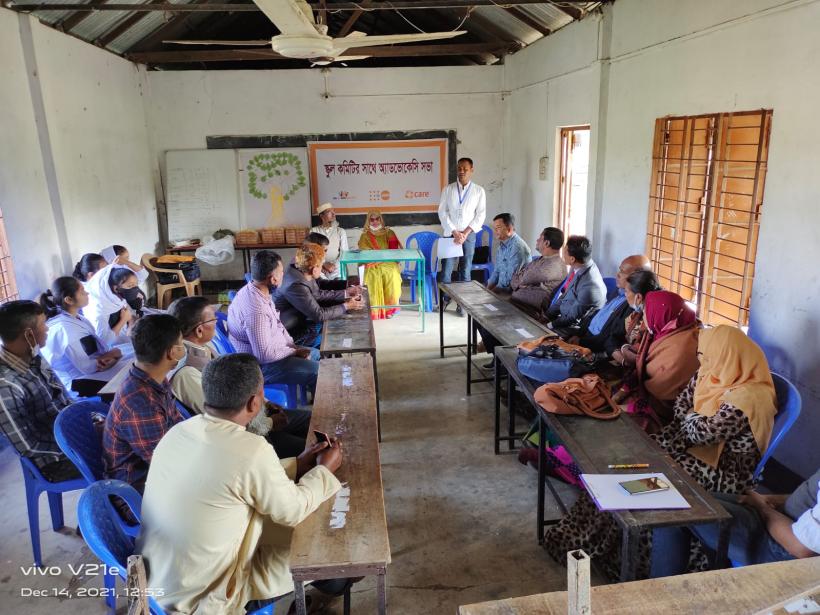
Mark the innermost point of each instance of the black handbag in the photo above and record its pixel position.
(190, 271)
(552, 363)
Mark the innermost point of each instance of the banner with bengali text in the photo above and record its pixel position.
(393, 176)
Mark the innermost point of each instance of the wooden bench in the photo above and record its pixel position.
(353, 334)
(505, 322)
(594, 444)
(352, 541)
(733, 591)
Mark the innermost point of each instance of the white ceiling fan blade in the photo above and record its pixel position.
(346, 42)
(292, 17)
(252, 43)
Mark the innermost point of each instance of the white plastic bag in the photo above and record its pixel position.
(217, 251)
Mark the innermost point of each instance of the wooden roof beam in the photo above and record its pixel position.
(572, 11)
(351, 21)
(27, 7)
(230, 55)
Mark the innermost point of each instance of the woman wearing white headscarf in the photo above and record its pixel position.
(108, 306)
(119, 256)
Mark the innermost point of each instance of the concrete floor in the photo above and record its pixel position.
(461, 519)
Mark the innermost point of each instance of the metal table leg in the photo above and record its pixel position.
(469, 353)
(497, 372)
(381, 590)
(630, 541)
(378, 404)
(299, 594)
(722, 551)
(441, 323)
(510, 410)
(542, 476)
(420, 289)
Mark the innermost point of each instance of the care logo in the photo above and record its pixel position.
(412, 194)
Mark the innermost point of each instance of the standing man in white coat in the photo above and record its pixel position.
(462, 210)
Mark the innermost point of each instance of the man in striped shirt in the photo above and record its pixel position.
(254, 327)
(31, 395)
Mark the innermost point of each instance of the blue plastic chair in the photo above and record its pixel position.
(611, 288)
(789, 404)
(273, 392)
(248, 278)
(81, 442)
(487, 267)
(107, 535)
(35, 484)
(424, 242)
(186, 414)
(78, 438)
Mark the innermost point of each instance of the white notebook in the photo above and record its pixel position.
(608, 494)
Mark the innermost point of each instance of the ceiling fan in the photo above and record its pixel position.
(301, 37)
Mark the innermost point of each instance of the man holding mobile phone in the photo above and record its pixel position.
(220, 506)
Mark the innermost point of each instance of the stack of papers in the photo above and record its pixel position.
(608, 494)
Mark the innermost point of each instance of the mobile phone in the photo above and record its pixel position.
(644, 485)
(322, 437)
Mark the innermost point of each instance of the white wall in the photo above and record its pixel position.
(92, 129)
(465, 99)
(664, 57)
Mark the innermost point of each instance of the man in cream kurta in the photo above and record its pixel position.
(220, 506)
(337, 241)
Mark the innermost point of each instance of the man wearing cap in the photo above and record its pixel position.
(337, 238)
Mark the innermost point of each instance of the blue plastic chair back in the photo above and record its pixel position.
(186, 414)
(487, 232)
(221, 341)
(105, 533)
(611, 288)
(424, 242)
(248, 278)
(278, 394)
(789, 404)
(78, 438)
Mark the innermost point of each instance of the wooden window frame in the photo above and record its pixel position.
(8, 283)
(702, 233)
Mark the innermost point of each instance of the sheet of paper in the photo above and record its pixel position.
(609, 495)
(447, 248)
(491, 307)
(347, 342)
(524, 333)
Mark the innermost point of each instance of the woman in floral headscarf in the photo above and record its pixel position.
(383, 280)
(721, 426)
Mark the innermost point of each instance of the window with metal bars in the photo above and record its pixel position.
(8, 284)
(705, 198)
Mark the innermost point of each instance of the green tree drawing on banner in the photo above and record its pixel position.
(275, 176)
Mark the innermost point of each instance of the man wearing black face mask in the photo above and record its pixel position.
(31, 395)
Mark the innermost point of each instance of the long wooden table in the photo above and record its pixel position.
(508, 324)
(732, 591)
(246, 249)
(353, 334)
(352, 543)
(594, 444)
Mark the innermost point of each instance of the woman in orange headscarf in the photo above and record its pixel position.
(721, 426)
(724, 417)
(383, 280)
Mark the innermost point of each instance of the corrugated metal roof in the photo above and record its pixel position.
(97, 24)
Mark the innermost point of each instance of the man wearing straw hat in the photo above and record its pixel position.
(337, 238)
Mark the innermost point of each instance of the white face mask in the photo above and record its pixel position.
(33, 347)
(375, 227)
(637, 308)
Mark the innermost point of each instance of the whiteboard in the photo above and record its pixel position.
(201, 192)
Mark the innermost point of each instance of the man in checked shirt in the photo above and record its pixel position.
(31, 395)
(143, 409)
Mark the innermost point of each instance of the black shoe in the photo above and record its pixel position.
(489, 365)
(459, 311)
(444, 303)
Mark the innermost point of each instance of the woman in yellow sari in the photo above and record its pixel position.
(383, 280)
